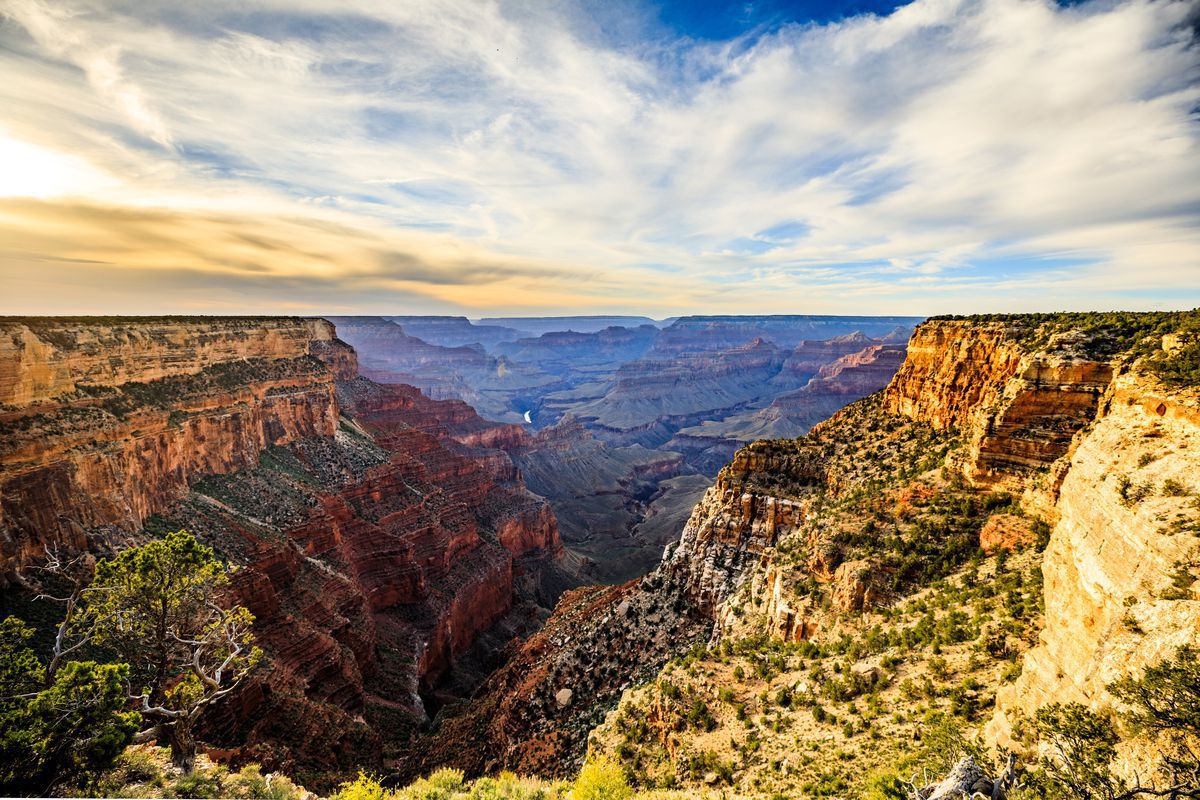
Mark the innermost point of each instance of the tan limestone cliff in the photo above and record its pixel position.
(1121, 562)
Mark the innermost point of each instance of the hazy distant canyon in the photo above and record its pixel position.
(629, 418)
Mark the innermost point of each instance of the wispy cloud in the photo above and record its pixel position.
(455, 154)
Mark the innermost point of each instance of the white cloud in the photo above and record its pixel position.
(947, 142)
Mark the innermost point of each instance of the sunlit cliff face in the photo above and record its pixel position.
(458, 156)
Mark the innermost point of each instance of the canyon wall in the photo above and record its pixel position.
(1122, 564)
(1017, 405)
(739, 520)
(857, 367)
(107, 423)
(1108, 454)
(42, 358)
(378, 532)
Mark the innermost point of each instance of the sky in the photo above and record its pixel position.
(559, 157)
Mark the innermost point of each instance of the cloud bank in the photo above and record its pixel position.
(321, 156)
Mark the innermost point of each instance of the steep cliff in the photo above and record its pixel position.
(1123, 562)
(1078, 421)
(379, 533)
(108, 422)
(859, 549)
(1018, 404)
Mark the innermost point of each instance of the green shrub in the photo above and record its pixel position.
(1174, 488)
(251, 783)
(884, 785)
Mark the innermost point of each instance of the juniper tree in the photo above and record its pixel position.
(164, 609)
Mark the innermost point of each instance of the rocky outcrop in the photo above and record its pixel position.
(44, 358)
(953, 370)
(803, 363)
(1092, 441)
(326, 347)
(737, 522)
(116, 419)
(965, 779)
(1017, 405)
(1122, 564)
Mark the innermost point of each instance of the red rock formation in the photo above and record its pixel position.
(373, 550)
(42, 358)
(810, 356)
(1018, 407)
(533, 715)
(110, 461)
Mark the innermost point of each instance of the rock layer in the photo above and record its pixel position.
(1103, 450)
(1121, 567)
(1018, 407)
(116, 419)
(378, 532)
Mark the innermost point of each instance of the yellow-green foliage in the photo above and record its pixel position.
(508, 786)
(251, 783)
(364, 787)
(602, 778)
(449, 784)
(445, 784)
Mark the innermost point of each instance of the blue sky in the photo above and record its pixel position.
(467, 156)
(715, 20)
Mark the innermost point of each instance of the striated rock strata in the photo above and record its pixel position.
(115, 419)
(1122, 564)
(1018, 406)
(1096, 444)
(378, 533)
(830, 386)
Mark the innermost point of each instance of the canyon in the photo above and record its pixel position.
(378, 533)
(993, 434)
(631, 418)
(814, 513)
